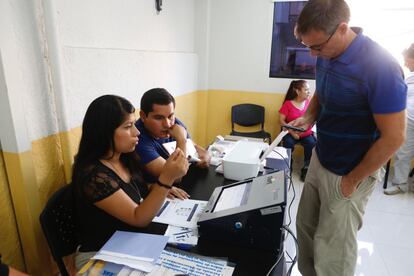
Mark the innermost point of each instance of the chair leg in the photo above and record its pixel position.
(411, 173)
(387, 172)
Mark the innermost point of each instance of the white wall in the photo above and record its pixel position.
(124, 47)
(202, 41)
(58, 55)
(240, 43)
(26, 108)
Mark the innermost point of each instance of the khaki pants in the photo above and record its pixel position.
(327, 223)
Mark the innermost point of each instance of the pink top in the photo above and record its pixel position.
(292, 112)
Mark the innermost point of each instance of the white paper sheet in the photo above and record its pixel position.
(182, 213)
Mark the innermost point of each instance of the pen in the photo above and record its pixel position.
(185, 232)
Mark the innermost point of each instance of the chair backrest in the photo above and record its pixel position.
(59, 225)
(247, 115)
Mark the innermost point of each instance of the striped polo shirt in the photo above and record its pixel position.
(364, 80)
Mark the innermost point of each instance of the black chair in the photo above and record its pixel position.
(59, 227)
(249, 115)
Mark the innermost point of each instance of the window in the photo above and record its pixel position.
(289, 58)
(387, 22)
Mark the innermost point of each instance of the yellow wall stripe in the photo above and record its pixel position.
(25, 196)
(9, 239)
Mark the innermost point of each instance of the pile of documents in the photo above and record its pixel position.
(181, 217)
(139, 251)
(136, 254)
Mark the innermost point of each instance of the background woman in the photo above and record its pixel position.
(109, 192)
(295, 104)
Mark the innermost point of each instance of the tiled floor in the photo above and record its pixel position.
(386, 240)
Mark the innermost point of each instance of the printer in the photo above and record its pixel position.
(246, 157)
(248, 213)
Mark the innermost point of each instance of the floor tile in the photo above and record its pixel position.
(399, 261)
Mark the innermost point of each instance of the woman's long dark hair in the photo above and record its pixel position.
(104, 115)
(291, 93)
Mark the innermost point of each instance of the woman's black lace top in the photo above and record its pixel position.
(95, 226)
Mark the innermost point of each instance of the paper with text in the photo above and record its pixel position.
(182, 213)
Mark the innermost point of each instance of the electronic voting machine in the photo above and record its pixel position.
(248, 213)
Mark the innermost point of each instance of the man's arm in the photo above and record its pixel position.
(310, 115)
(392, 129)
(177, 132)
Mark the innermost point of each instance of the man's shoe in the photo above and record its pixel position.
(394, 190)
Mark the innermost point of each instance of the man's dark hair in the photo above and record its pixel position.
(409, 52)
(322, 15)
(155, 96)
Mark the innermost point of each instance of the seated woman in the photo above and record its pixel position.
(109, 192)
(295, 104)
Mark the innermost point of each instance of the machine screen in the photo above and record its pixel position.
(232, 197)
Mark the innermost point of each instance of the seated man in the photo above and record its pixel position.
(158, 125)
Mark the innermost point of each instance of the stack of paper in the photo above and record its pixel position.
(181, 213)
(181, 217)
(136, 250)
(182, 235)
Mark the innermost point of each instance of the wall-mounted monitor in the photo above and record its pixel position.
(289, 58)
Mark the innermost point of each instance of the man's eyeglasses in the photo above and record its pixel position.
(319, 47)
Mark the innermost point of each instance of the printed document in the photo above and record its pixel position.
(182, 213)
(182, 235)
(194, 265)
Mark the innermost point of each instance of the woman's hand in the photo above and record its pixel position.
(177, 193)
(294, 134)
(175, 167)
(302, 122)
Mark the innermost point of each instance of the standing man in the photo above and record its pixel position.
(402, 161)
(158, 125)
(359, 107)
